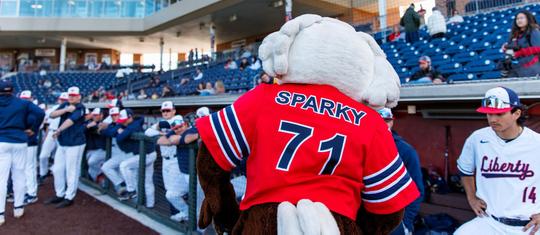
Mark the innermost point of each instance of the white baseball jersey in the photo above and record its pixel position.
(507, 173)
(53, 122)
(154, 130)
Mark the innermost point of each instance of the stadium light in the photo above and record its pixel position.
(36, 6)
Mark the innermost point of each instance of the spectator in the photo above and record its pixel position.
(219, 87)
(456, 18)
(208, 90)
(47, 83)
(167, 92)
(190, 57)
(231, 64)
(244, 64)
(436, 24)
(411, 22)
(426, 74)
(142, 95)
(198, 74)
(412, 163)
(396, 34)
(155, 96)
(524, 44)
(265, 78)
(255, 63)
(245, 52)
(421, 15)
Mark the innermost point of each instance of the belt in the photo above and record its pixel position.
(512, 222)
(169, 158)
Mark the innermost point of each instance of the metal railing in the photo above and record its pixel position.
(157, 213)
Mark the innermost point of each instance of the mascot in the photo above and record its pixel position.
(319, 159)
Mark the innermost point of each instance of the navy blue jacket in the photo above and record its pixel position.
(128, 145)
(36, 120)
(412, 163)
(182, 151)
(94, 141)
(74, 135)
(16, 116)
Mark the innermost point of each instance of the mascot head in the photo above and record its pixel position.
(311, 49)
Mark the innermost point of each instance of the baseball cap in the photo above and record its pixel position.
(96, 111)
(63, 96)
(124, 115)
(6, 86)
(167, 105)
(203, 111)
(499, 100)
(177, 121)
(386, 113)
(26, 94)
(424, 58)
(73, 91)
(114, 111)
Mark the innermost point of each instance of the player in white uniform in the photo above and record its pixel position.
(49, 143)
(500, 165)
(172, 179)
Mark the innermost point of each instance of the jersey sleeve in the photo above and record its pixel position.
(228, 133)
(77, 114)
(465, 162)
(387, 185)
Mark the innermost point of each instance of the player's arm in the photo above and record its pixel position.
(152, 131)
(466, 166)
(64, 108)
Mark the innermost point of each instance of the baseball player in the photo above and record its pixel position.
(71, 143)
(499, 165)
(109, 128)
(172, 179)
(49, 143)
(130, 124)
(95, 144)
(17, 119)
(30, 169)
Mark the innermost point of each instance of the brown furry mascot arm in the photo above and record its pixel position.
(220, 200)
(378, 224)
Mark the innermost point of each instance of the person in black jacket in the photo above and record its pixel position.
(426, 74)
(95, 144)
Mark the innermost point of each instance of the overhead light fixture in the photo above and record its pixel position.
(36, 6)
(233, 18)
(277, 3)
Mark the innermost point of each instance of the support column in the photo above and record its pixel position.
(62, 67)
(161, 43)
(212, 40)
(288, 10)
(382, 18)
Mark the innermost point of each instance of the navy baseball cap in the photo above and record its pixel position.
(6, 86)
(499, 100)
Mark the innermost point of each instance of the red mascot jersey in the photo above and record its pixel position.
(309, 142)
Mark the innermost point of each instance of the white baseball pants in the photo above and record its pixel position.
(129, 169)
(488, 225)
(30, 171)
(12, 158)
(111, 167)
(48, 146)
(175, 183)
(95, 159)
(67, 170)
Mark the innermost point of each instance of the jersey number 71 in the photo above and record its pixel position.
(301, 133)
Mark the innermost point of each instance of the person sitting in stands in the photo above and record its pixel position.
(426, 74)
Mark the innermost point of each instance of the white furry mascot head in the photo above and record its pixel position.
(311, 49)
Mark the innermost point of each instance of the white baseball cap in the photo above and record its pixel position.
(124, 115)
(203, 111)
(73, 91)
(96, 111)
(63, 96)
(26, 94)
(499, 100)
(167, 105)
(114, 111)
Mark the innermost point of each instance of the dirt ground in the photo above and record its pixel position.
(85, 216)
